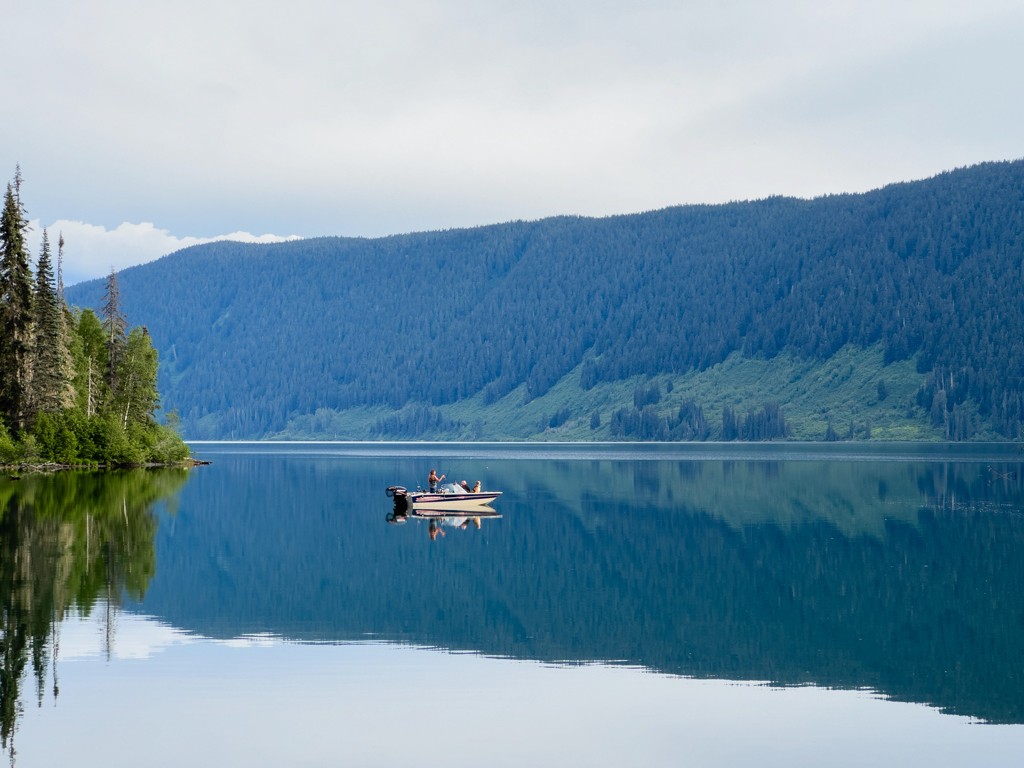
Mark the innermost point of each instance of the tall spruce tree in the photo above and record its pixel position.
(15, 307)
(830, 432)
(66, 321)
(116, 325)
(50, 386)
(60, 272)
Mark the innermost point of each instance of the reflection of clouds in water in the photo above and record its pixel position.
(383, 704)
(136, 636)
(133, 636)
(259, 640)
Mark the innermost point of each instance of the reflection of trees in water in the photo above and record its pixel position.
(69, 541)
(858, 497)
(903, 577)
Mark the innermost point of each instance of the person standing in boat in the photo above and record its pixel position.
(433, 480)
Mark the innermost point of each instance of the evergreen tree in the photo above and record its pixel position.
(55, 367)
(830, 433)
(730, 425)
(15, 306)
(115, 324)
(50, 386)
(66, 318)
(60, 272)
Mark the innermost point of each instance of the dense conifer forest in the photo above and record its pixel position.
(930, 271)
(74, 388)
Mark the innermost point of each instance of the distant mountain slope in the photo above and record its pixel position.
(258, 333)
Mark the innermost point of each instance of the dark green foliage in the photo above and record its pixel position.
(646, 396)
(115, 327)
(15, 307)
(588, 375)
(414, 422)
(256, 333)
(766, 424)
(70, 438)
(960, 424)
(53, 391)
(690, 423)
(8, 448)
(625, 422)
(867, 429)
(830, 433)
(730, 424)
(49, 370)
(639, 423)
(56, 439)
(560, 417)
(883, 391)
(939, 408)
(595, 420)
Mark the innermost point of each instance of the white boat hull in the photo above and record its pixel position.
(447, 503)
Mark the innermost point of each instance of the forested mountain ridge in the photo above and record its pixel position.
(930, 270)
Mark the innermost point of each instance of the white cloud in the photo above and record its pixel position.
(91, 250)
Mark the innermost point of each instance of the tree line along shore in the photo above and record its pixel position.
(76, 388)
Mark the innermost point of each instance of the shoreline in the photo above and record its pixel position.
(55, 467)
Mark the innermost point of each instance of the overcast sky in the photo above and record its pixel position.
(141, 127)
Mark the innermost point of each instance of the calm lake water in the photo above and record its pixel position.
(633, 605)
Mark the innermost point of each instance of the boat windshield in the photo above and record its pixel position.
(452, 488)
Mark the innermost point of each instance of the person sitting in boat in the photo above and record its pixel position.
(476, 488)
(465, 486)
(433, 480)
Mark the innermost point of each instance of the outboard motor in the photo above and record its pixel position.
(398, 493)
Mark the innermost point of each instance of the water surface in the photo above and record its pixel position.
(646, 605)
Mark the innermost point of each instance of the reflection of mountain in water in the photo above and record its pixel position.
(66, 541)
(903, 577)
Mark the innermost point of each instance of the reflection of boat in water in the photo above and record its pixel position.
(455, 519)
(449, 499)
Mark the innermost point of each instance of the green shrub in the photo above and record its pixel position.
(27, 448)
(56, 439)
(8, 450)
(167, 446)
(113, 444)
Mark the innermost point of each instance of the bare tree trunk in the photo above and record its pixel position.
(128, 393)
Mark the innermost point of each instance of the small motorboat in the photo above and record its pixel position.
(448, 499)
